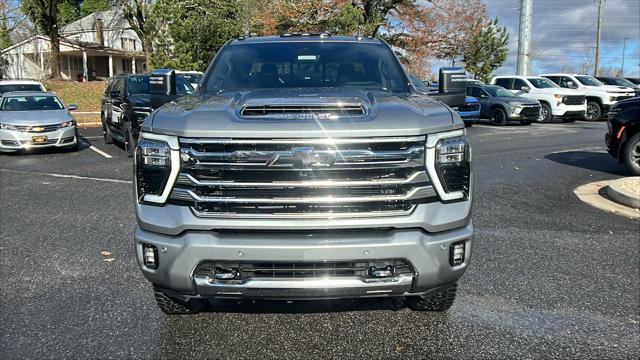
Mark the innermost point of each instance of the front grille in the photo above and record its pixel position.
(530, 111)
(324, 269)
(302, 178)
(38, 128)
(303, 110)
(469, 107)
(574, 100)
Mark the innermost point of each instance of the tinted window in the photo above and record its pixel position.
(555, 79)
(19, 87)
(518, 84)
(542, 83)
(138, 84)
(476, 92)
(192, 78)
(419, 84)
(31, 103)
(306, 64)
(183, 87)
(504, 82)
(565, 82)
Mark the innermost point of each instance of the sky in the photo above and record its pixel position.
(564, 34)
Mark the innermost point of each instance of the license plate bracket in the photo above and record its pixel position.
(39, 139)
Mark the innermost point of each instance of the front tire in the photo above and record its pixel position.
(545, 114)
(631, 154)
(106, 134)
(171, 306)
(129, 141)
(594, 111)
(439, 300)
(498, 117)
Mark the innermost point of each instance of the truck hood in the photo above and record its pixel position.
(517, 100)
(611, 89)
(560, 91)
(219, 115)
(43, 117)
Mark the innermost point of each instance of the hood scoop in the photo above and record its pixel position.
(304, 111)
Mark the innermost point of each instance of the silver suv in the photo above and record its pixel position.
(306, 167)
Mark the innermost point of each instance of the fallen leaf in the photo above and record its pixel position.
(106, 253)
(108, 260)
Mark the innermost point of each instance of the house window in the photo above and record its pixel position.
(75, 63)
(126, 66)
(128, 44)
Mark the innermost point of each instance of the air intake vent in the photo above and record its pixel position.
(303, 111)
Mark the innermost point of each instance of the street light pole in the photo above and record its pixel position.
(624, 47)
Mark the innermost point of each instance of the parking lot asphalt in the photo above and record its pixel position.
(551, 276)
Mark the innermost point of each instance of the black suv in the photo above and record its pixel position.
(623, 138)
(126, 102)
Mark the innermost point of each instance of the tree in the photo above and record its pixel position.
(44, 13)
(137, 12)
(90, 6)
(487, 50)
(191, 31)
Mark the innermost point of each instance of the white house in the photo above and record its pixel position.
(95, 47)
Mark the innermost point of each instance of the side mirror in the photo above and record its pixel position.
(72, 107)
(525, 89)
(114, 93)
(571, 84)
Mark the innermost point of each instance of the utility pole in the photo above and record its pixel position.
(624, 47)
(524, 37)
(600, 5)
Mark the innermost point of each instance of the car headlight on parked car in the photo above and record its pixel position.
(7, 126)
(516, 109)
(157, 163)
(68, 124)
(449, 164)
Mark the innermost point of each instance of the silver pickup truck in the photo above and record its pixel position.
(305, 167)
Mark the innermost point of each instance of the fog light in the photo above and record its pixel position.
(381, 272)
(150, 256)
(456, 255)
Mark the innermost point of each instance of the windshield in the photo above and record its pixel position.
(419, 84)
(542, 83)
(498, 91)
(588, 81)
(31, 103)
(138, 84)
(621, 82)
(306, 64)
(19, 87)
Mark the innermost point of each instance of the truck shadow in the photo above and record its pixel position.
(595, 161)
(303, 306)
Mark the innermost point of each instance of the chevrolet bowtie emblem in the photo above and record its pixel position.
(37, 128)
(303, 158)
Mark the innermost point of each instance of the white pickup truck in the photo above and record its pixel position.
(566, 104)
(600, 97)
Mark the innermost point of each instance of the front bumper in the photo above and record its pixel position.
(563, 110)
(428, 254)
(13, 140)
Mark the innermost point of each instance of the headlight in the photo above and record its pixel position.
(156, 167)
(7, 127)
(449, 164)
(516, 109)
(68, 123)
(558, 96)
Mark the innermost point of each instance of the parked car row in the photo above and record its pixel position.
(566, 97)
(31, 117)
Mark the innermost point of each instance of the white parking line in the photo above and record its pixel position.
(67, 176)
(97, 150)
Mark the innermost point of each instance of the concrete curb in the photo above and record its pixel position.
(84, 125)
(618, 193)
(595, 194)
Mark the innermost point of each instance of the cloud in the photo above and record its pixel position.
(564, 33)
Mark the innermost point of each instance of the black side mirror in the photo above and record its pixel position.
(114, 93)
